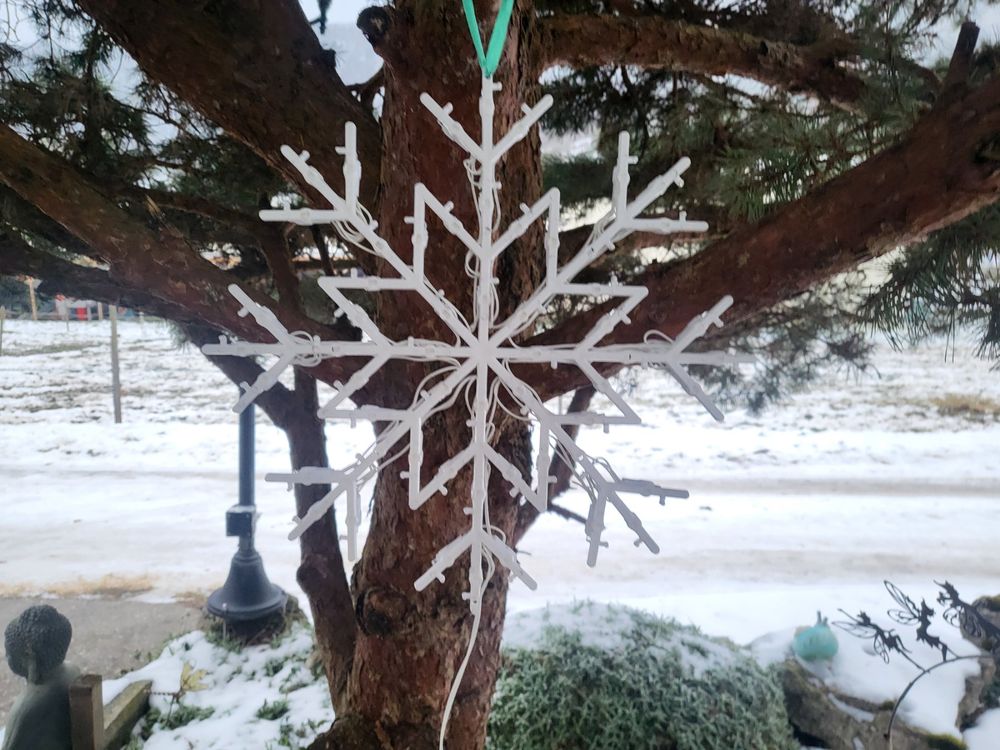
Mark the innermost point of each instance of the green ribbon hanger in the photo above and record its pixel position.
(490, 59)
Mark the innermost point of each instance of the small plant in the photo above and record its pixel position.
(291, 687)
(273, 666)
(272, 711)
(190, 682)
(183, 714)
(219, 636)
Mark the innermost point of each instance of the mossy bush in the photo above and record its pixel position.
(612, 678)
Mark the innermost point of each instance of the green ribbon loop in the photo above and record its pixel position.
(490, 58)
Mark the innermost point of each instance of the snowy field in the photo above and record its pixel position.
(808, 506)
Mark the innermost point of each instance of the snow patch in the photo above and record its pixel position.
(237, 686)
(931, 705)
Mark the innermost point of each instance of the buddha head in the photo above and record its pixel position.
(37, 642)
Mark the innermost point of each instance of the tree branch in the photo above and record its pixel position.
(21, 214)
(275, 249)
(61, 276)
(277, 402)
(240, 68)
(960, 66)
(245, 224)
(945, 169)
(324, 252)
(655, 42)
(140, 256)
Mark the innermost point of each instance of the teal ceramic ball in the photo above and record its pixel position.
(816, 643)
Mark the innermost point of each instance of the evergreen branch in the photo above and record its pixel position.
(155, 258)
(949, 278)
(239, 72)
(655, 42)
(890, 200)
(62, 276)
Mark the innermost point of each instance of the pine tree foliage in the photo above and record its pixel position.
(950, 281)
(73, 92)
(754, 148)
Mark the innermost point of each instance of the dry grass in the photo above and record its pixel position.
(191, 598)
(968, 406)
(107, 587)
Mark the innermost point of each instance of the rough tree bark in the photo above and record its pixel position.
(410, 644)
(656, 42)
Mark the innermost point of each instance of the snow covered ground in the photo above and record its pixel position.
(808, 506)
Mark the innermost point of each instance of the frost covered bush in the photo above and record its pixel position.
(592, 676)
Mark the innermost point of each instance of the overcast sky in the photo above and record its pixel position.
(344, 11)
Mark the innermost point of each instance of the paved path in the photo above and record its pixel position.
(109, 636)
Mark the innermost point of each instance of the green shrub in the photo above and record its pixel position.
(634, 681)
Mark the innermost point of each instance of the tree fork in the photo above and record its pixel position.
(265, 58)
(410, 644)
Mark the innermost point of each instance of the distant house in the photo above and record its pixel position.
(82, 309)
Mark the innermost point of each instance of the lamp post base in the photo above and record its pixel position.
(247, 594)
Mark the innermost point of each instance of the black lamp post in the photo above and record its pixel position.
(247, 594)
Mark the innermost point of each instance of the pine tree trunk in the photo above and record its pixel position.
(410, 644)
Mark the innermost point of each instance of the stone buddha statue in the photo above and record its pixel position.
(36, 643)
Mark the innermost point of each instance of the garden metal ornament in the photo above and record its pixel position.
(958, 613)
(477, 364)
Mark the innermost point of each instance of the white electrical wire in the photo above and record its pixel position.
(459, 366)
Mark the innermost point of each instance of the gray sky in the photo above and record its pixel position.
(344, 11)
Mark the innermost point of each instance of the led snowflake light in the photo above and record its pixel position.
(478, 363)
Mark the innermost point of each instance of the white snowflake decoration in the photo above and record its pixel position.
(480, 359)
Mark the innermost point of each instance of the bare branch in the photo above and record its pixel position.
(961, 59)
(656, 42)
(324, 252)
(61, 276)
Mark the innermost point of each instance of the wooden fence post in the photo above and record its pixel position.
(31, 296)
(86, 713)
(116, 386)
(124, 712)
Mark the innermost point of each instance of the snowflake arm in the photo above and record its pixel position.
(478, 363)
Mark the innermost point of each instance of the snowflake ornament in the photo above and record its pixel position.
(478, 363)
